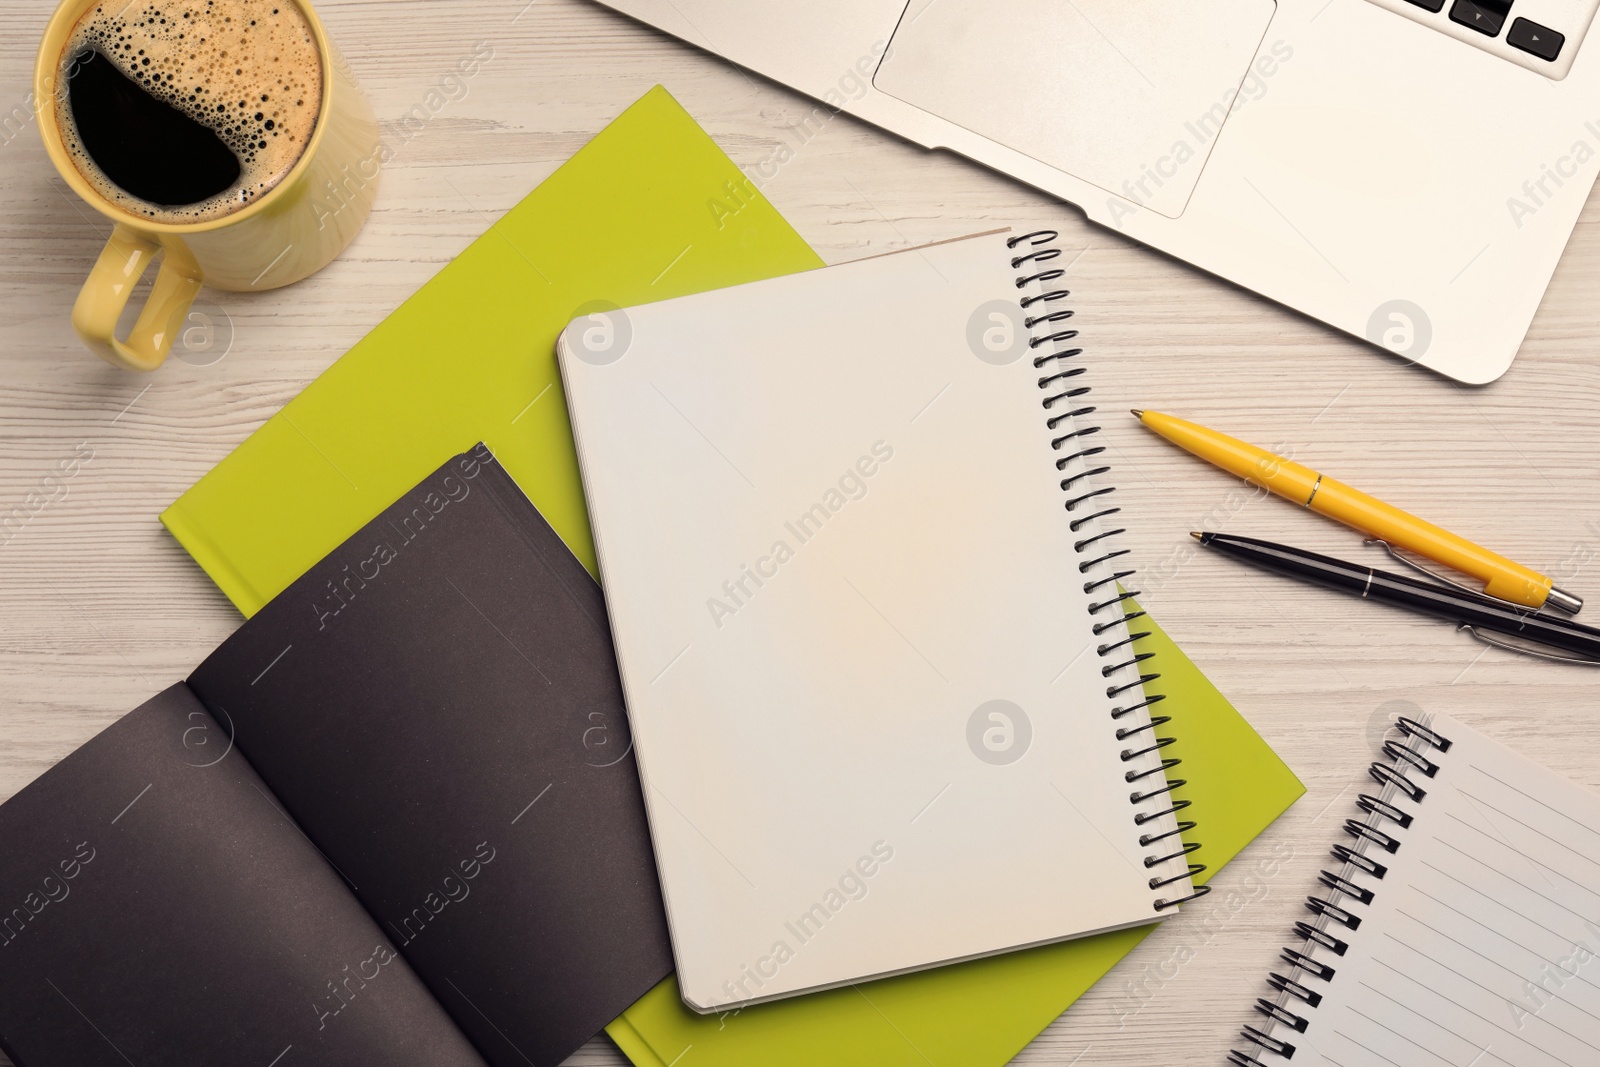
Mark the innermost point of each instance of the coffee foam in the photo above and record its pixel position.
(249, 70)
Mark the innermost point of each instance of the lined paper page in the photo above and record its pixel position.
(1481, 945)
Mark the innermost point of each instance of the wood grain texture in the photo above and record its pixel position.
(99, 608)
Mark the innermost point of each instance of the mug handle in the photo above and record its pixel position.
(110, 285)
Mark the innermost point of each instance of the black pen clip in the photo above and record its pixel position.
(1535, 649)
(1538, 651)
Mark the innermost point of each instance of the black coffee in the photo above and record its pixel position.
(185, 110)
(146, 146)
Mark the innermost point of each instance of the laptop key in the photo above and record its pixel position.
(1535, 39)
(1429, 5)
(1485, 16)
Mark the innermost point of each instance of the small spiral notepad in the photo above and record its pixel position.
(858, 540)
(1461, 925)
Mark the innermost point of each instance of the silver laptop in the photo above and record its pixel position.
(1405, 170)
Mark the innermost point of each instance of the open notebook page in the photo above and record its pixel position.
(1481, 942)
(436, 705)
(159, 907)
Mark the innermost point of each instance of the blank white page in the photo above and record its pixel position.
(1481, 944)
(831, 538)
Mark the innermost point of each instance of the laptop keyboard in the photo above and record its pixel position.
(1541, 35)
(1536, 40)
(1485, 16)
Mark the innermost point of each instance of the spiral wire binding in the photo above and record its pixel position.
(1333, 912)
(1060, 381)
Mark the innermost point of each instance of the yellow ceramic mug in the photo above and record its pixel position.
(288, 233)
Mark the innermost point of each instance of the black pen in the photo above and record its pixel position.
(1459, 606)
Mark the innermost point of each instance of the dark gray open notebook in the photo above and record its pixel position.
(394, 820)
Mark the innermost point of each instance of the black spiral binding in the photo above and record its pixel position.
(1340, 912)
(1063, 388)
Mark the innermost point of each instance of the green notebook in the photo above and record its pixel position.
(649, 209)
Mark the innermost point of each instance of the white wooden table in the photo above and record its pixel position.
(99, 608)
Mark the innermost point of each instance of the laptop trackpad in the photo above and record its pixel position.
(1128, 95)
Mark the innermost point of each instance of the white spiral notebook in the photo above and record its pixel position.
(857, 542)
(1461, 925)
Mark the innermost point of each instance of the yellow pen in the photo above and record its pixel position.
(1501, 578)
